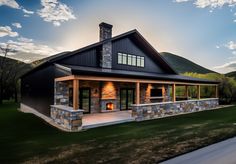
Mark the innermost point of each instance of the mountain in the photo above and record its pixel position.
(182, 65)
(231, 74)
(15, 67)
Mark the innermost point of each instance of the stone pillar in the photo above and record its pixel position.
(75, 94)
(137, 93)
(173, 93)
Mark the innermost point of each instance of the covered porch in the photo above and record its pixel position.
(86, 98)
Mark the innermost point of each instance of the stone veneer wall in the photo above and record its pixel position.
(145, 92)
(69, 119)
(61, 93)
(157, 110)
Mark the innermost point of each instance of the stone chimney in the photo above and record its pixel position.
(105, 31)
(106, 54)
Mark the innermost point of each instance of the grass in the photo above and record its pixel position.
(26, 138)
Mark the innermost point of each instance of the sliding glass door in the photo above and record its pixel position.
(126, 98)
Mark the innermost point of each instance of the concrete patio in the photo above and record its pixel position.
(104, 119)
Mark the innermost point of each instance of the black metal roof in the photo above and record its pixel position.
(81, 70)
(133, 34)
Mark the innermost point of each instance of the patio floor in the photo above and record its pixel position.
(104, 119)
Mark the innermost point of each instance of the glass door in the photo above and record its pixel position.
(85, 99)
(126, 98)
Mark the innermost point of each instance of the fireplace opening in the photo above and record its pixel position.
(109, 106)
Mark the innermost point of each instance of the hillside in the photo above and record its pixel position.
(182, 65)
(16, 67)
(231, 74)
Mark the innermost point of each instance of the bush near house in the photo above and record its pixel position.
(227, 86)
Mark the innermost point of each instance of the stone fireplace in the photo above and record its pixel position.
(109, 105)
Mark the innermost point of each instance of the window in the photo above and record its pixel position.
(124, 59)
(142, 62)
(132, 60)
(129, 59)
(119, 58)
(138, 61)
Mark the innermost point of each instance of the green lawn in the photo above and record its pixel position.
(26, 138)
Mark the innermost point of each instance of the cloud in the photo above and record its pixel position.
(22, 39)
(214, 3)
(26, 50)
(231, 45)
(27, 11)
(7, 31)
(17, 25)
(182, 0)
(210, 3)
(55, 12)
(30, 47)
(15, 5)
(10, 3)
(231, 65)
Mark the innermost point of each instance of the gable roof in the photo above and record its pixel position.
(133, 34)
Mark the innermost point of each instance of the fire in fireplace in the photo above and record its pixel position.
(109, 106)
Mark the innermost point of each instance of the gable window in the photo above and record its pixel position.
(142, 62)
(120, 58)
(132, 60)
(129, 59)
(124, 58)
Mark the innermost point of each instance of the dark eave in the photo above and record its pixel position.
(81, 70)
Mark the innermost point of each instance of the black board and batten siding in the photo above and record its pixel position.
(89, 58)
(126, 46)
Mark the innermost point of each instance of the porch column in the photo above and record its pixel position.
(163, 93)
(186, 91)
(216, 91)
(137, 93)
(173, 93)
(76, 94)
(198, 92)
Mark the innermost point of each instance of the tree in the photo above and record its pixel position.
(10, 71)
(227, 86)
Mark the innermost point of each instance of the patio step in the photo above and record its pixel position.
(107, 123)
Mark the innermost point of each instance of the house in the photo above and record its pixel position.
(117, 73)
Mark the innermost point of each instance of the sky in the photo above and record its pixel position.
(203, 31)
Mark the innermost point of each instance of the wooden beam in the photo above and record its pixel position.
(198, 92)
(65, 78)
(76, 94)
(137, 93)
(163, 93)
(96, 78)
(173, 93)
(216, 91)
